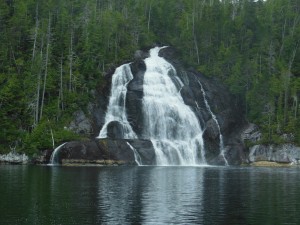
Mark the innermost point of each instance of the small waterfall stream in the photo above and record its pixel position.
(137, 157)
(222, 149)
(54, 158)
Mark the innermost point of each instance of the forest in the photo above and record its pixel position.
(54, 54)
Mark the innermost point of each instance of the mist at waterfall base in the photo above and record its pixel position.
(34, 195)
(168, 122)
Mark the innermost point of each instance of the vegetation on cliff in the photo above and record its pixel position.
(54, 53)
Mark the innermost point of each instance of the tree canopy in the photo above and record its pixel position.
(53, 53)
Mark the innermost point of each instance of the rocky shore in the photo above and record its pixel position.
(14, 158)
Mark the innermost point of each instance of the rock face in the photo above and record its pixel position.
(14, 158)
(134, 96)
(106, 152)
(285, 153)
(228, 114)
(251, 133)
(81, 124)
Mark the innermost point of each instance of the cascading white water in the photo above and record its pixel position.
(53, 158)
(170, 124)
(222, 149)
(116, 110)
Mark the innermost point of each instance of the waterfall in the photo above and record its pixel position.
(116, 110)
(171, 125)
(222, 149)
(54, 158)
(137, 157)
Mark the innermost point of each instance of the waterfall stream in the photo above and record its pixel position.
(54, 158)
(137, 157)
(116, 110)
(222, 149)
(171, 125)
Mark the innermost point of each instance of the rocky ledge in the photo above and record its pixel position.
(14, 158)
(285, 153)
(106, 152)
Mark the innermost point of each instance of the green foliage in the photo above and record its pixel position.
(44, 134)
(54, 53)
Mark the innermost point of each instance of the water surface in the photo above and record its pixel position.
(148, 195)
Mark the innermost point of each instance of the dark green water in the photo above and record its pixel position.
(148, 195)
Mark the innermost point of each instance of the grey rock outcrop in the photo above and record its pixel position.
(251, 133)
(285, 153)
(14, 158)
(81, 124)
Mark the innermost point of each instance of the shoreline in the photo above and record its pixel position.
(103, 163)
(273, 164)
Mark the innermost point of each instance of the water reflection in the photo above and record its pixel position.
(173, 195)
(148, 195)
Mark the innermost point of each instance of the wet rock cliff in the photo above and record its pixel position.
(197, 91)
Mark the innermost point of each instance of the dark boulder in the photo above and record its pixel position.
(80, 150)
(106, 152)
(115, 130)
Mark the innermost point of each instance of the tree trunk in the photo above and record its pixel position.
(61, 96)
(71, 62)
(149, 16)
(46, 66)
(282, 38)
(35, 33)
(195, 40)
(287, 83)
(37, 109)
